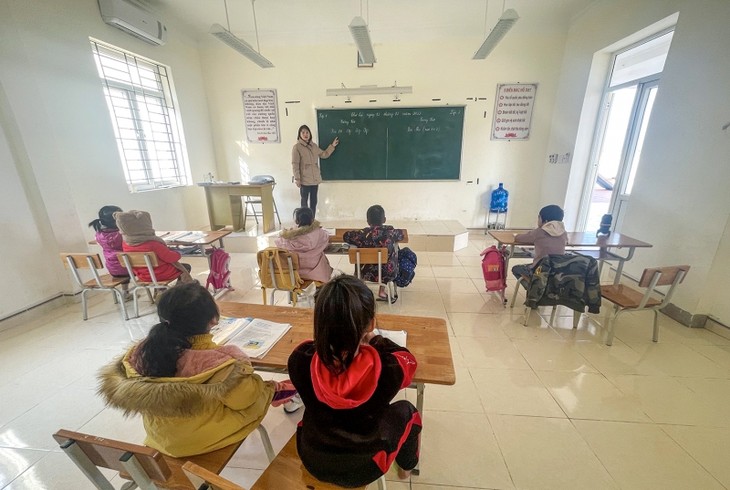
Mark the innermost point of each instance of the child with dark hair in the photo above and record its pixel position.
(376, 235)
(194, 395)
(110, 240)
(309, 240)
(549, 238)
(347, 377)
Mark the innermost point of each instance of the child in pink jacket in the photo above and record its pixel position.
(309, 241)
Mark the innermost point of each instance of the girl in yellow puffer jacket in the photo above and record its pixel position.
(194, 395)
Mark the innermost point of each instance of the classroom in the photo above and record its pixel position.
(532, 404)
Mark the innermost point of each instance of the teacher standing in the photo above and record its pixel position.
(305, 163)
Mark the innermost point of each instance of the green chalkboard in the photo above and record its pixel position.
(404, 143)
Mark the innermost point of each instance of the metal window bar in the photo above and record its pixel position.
(146, 126)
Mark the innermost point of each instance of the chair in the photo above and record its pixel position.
(147, 468)
(625, 298)
(202, 478)
(148, 260)
(288, 472)
(570, 280)
(106, 282)
(379, 256)
(252, 202)
(279, 271)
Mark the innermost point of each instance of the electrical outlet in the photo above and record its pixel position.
(565, 158)
(553, 158)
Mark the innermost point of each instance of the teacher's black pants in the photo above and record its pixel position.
(309, 193)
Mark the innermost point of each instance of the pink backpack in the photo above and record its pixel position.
(219, 276)
(495, 275)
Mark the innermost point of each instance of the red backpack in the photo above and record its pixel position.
(495, 275)
(219, 276)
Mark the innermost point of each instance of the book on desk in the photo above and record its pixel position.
(253, 336)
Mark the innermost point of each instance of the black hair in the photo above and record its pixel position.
(299, 132)
(106, 218)
(551, 213)
(303, 216)
(184, 310)
(376, 215)
(343, 311)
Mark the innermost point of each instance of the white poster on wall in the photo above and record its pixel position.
(513, 111)
(261, 114)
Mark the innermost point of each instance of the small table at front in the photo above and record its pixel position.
(577, 241)
(427, 339)
(225, 206)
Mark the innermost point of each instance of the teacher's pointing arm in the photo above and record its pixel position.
(326, 153)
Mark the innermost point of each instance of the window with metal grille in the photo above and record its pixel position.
(141, 101)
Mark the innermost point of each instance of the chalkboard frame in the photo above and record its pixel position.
(446, 169)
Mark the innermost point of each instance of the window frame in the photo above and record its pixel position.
(155, 157)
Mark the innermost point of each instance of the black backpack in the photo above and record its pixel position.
(407, 261)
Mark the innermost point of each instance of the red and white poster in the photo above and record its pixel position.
(261, 116)
(513, 111)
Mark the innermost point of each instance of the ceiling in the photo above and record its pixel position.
(308, 22)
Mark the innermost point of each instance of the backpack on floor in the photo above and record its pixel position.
(407, 262)
(219, 272)
(495, 275)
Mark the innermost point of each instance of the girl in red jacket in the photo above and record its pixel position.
(139, 236)
(347, 377)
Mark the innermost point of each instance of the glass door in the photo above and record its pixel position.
(624, 118)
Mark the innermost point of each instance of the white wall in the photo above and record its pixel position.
(435, 70)
(680, 201)
(59, 158)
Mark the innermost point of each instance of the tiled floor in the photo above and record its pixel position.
(533, 407)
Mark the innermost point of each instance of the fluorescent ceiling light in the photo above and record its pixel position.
(360, 34)
(373, 90)
(240, 45)
(505, 23)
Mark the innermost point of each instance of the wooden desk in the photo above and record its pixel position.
(428, 340)
(599, 247)
(339, 232)
(226, 208)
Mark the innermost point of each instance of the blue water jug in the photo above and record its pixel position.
(498, 203)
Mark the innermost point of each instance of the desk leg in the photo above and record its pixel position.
(620, 266)
(420, 389)
(267, 207)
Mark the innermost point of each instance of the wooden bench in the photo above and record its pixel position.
(288, 472)
(142, 464)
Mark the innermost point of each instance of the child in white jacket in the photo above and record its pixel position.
(309, 241)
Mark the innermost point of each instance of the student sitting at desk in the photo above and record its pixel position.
(377, 235)
(549, 238)
(108, 237)
(309, 241)
(139, 236)
(194, 395)
(347, 377)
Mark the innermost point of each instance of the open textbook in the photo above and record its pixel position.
(184, 236)
(253, 335)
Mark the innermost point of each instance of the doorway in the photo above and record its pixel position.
(624, 118)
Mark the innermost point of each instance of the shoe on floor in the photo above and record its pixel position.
(294, 404)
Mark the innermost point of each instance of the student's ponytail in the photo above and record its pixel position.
(185, 311)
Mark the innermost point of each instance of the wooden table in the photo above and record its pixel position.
(226, 208)
(602, 248)
(339, 232)
(428, 340)
(199, 243)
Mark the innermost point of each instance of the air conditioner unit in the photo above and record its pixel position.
(133, 19)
